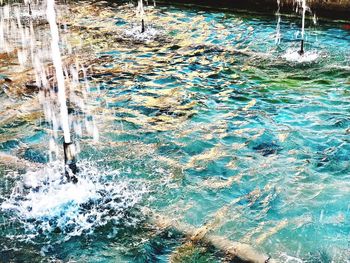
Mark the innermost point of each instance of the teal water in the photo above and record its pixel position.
(206, 114)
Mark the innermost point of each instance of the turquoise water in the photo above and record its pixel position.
(206, 114)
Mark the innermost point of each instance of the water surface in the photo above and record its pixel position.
(205, 112)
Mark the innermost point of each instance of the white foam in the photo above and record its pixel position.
(292, 55)
(135, 33)
(44, 202)
(290, 259)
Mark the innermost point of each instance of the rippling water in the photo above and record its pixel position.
(206, 111)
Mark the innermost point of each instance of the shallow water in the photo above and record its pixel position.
(201, 112)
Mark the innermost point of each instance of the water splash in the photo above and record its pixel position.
(293, 55)
(148, 35)
(300, 55)
(44, 203)
(290, 259)
(141, 32)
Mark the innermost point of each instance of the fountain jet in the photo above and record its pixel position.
(70, 163)
(69, 149)
(278, 27)
(303, 5)
(141, 12)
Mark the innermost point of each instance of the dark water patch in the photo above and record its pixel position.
(150, 111)
(36, 155)
(100, 75)
(27, 253)
(332, 159)
(239, 98)
(267, 148)
(169, 149)
(9, 145)
(166, 81)
(341, 122)
(120, 22)
(142, 78)
(15, 124)
(124, 115)
(322, 82)
(174, 47)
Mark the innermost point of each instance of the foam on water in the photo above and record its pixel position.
(44, 203)
(135, 33)
(290, 259)
(292, 55)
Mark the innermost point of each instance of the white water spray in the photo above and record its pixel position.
(303, 6)
(278, 27)
(141, 12)
(41, 200)
(300, 56)
(57, 61)
(43, 204)
(147, 33)
(20, 35)
(140, 9)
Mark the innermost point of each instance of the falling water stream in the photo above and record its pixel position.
(43, 202)
(300, 55)
(57, 61)
(303, 7)
(278, 27)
